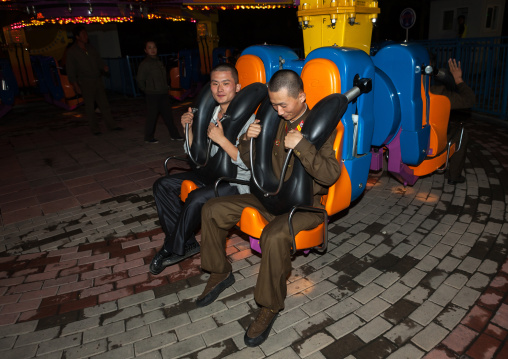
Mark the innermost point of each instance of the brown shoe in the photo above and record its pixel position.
(216, 284)
(260, 328)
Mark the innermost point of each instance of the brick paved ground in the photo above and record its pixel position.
(416, 272)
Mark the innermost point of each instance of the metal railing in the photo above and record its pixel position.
(484, 63)
(122, 73)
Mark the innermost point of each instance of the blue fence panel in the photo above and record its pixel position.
(484, 63)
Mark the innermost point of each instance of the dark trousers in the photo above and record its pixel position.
(221, 214)
(458, 160)
(93, 91)
(180, 220)
(159, 104)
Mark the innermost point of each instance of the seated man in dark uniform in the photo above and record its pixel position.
(287, 97)
(180, 220)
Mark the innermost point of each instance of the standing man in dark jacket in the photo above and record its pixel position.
(84, 68)
(461, 96)
(152, 80)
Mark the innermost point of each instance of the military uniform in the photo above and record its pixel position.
(221, 214)
(84, 67)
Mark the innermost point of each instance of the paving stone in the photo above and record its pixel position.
(373, 329)
(171, 323)
(367, 276)
(343, 308)
(121, 314)
(17, 329)
(469, 265)
(124, 352)
(21, 352)
(287, 353)
(80, 326)
(413, 277)
(135, 299)
(478, 281)
(372, 309)
(57, 344)
(247, 353)
(195, 328)
(144, 319)
(279, 341)
(311, 325)
(387, 279)
(153, 343)
(103, 331)
(289, 319)
(448, 264)
(450, 317)
(418, 295)
(222, 333)
(37, 337)
(184, 347)
(402, 332)
(128, 337)
(425, 313)
(407, 351)
(313, 344)
(319, 289)
(100, 309)
(345, 326)
(367, 293)
(209, 310)
(429, 337)
(466, 297)
(395, 292)
(87, 350)
(427, 264)
(159, 303)
(318, 304)
(7, 343)
(443, 295)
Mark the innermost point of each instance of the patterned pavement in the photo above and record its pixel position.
(416, 272)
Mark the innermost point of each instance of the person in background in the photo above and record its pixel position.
(462, 26)
(152, 80)
(84, 69)
(461, 96)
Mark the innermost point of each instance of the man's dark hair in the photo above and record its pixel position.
(287, 79)
(227, 67)
(150, 40)
(77, 30)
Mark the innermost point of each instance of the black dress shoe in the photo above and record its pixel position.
(453, 182)
(190, 250)
(157, 266)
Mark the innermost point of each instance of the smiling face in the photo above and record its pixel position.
(223, 87)
(287, 107)
(151, 48)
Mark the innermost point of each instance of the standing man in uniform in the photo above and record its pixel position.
(285, 90)
(84, 68)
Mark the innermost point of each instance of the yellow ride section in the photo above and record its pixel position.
(345, 23)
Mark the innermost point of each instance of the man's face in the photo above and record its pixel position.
(83, 37)
(286, 106)
(223, 87)
(151, 48)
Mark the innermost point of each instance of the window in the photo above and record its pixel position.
(491, 18)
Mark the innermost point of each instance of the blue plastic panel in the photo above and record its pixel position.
(402, 63)
(358, 170)
(274, 58)
(387, 110)
(351, 62)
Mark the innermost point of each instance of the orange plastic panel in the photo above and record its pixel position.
(187, 187)
(432, 164)
(311, 238)
(320, 78)
(439, 115)
(250, 69)
(252, 222)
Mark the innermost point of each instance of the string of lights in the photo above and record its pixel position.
(89, 20)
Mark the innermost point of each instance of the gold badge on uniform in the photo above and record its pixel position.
(277, 142)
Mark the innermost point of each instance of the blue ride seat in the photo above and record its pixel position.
(358, 120)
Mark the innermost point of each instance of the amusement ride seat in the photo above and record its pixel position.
(321, 79)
